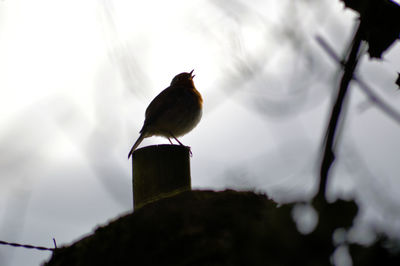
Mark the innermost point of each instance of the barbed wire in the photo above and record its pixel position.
(29, 246)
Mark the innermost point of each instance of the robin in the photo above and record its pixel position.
(174, 112)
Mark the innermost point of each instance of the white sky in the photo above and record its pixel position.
(76, 77)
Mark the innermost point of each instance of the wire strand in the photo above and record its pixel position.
(28, 246)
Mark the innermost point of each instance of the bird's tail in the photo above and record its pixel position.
(139, 140)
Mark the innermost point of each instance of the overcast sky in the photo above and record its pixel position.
(77, 76)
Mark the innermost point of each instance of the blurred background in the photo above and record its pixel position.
(77, 76)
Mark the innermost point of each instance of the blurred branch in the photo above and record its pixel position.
(329, 156)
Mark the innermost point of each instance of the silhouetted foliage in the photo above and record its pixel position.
(380, 21)
(384, 251)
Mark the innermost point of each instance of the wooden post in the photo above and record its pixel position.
(159, 171)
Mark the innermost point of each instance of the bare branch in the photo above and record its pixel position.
(329, 155)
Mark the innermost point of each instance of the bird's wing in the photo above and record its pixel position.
(160, 104)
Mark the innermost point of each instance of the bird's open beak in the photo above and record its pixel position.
(191, 75)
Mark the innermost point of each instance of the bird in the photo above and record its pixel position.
(174, 112)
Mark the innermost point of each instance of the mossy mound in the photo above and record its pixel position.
(206, 228)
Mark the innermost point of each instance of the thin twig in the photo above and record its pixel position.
(329, 156)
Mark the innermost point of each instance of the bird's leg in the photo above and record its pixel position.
(172, 135)
(178, 141)
(190, 151)
(170, 141)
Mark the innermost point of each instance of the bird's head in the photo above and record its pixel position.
(183, 79)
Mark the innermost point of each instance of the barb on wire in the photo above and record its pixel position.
(27, 246)
(373, 97)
